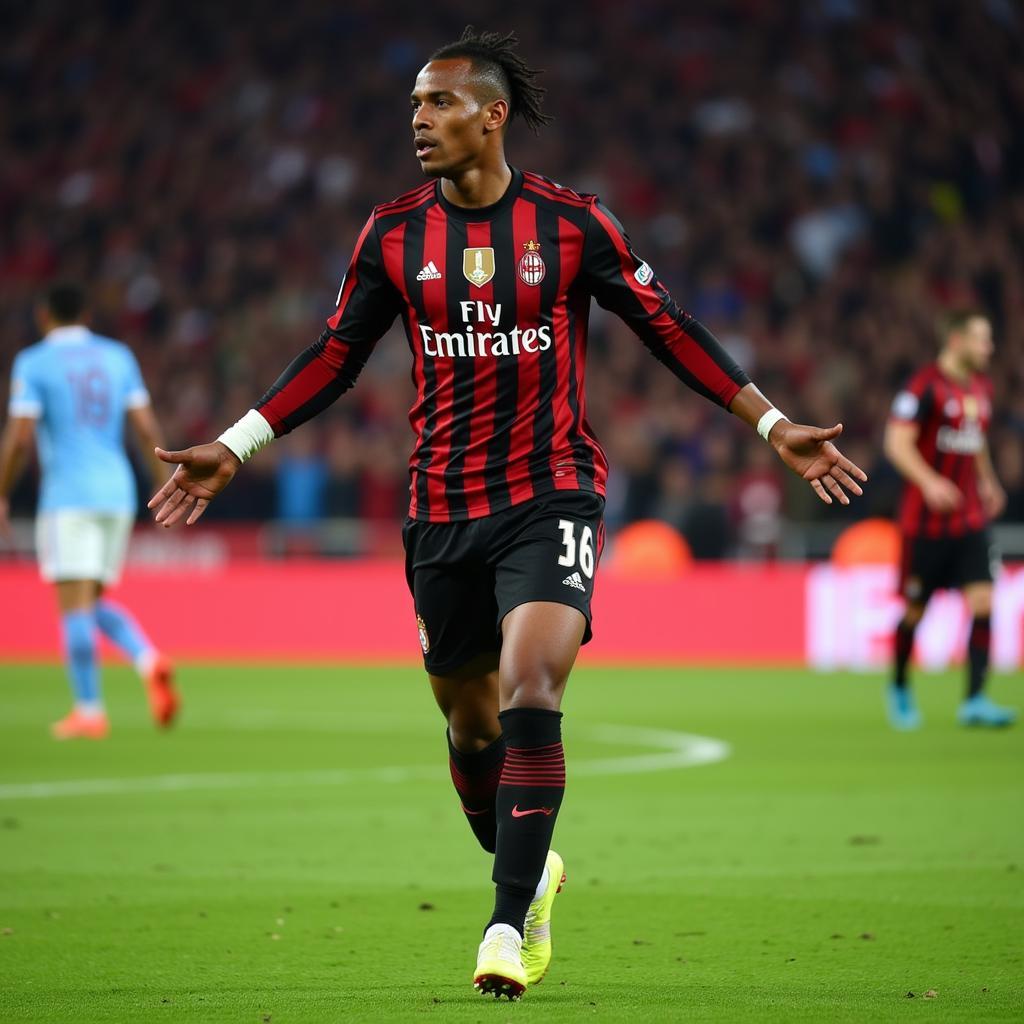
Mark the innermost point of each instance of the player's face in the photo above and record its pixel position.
(975, 344)
(450, 123)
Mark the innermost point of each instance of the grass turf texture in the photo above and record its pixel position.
(825, 870)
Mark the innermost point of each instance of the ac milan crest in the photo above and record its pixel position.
(531, 266)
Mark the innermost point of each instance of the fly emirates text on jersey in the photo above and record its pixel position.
(472, 342)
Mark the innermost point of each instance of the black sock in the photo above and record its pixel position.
(476, 781)
(529, 795)
(904, 645)
(977, 654)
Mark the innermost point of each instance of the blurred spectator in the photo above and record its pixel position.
(814, 179)
(757, 505)
(302, 474)
(707, 527)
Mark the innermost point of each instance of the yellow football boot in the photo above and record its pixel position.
(499, 966)
(536, 952)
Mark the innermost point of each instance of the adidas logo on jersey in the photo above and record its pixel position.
(575, 581)
(429, 273)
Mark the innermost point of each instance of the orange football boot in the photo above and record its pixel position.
(77, 726)
(164, 701)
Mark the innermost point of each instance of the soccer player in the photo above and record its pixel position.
(936, 439)
(74, 390)
(492, 270)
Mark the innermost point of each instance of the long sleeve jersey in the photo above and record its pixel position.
(495, 302)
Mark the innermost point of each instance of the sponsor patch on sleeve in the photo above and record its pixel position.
(905, 405)
(644, 274)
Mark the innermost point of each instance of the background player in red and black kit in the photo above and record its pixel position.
(936, 437)
(492, 271)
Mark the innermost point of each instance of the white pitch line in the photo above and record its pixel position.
(208, 781)
(678, 750)
(681, 750)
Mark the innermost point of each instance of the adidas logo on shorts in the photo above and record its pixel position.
(575, 581)
(429, 273)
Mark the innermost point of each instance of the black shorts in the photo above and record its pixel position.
(466, 577)
(946, 563)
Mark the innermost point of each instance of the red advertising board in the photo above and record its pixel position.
(728, 613)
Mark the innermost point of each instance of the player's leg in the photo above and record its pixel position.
(468, 699)
(453, 594)
(155, 669)
(914, 561)
(921, 569)
(76, 600)
(122, 629)
(977, 572)
(978, 598)
(541, 641)
(900, 703)
(69, 549)
(545, 556)
(904, 643)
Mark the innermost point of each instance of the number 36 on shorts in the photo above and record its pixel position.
(583, 549)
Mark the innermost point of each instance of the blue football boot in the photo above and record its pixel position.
(901, 709)
(979, 710)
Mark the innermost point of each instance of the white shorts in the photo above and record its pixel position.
(72, 544)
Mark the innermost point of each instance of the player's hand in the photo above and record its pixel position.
(203, 472)
(993, 497)
(810, 453)
(941, 494)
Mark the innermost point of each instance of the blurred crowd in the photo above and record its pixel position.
(813, 180)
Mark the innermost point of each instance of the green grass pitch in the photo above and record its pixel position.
(293, 852)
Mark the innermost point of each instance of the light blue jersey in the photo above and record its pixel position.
(77, 386)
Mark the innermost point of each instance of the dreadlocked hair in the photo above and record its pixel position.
(495, 53)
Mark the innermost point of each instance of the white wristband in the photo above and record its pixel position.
(768, 420)
(251, 433)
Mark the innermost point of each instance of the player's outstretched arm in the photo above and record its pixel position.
(149, 437)
(203, 472)
(808, 451)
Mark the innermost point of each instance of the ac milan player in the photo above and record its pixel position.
(492, 270)
(936, 439)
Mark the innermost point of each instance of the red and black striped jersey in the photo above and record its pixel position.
(953, 420)
(495, 303)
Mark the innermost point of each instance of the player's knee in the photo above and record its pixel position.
(536, 686)
(472, 727)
